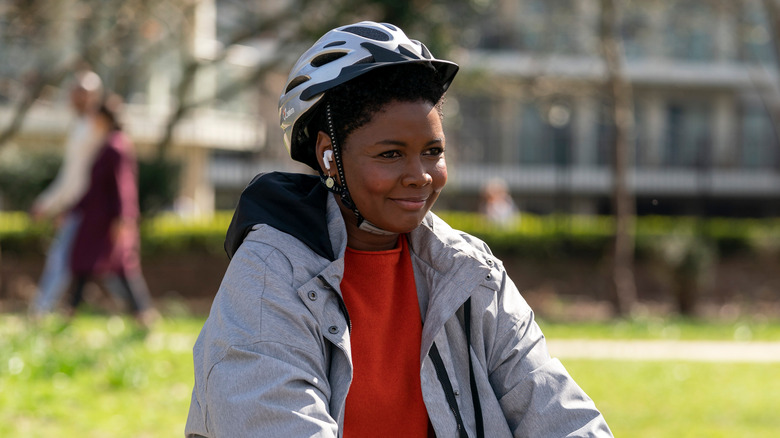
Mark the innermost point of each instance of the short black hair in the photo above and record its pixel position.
(354, 103)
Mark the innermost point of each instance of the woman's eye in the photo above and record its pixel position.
(390, 154)
(434, 151)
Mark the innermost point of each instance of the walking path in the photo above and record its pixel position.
(707, 351)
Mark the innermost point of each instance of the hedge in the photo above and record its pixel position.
(25, 174)
(164, 233)
(527, 236)
(588, 236)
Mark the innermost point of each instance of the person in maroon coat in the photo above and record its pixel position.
(106, 246)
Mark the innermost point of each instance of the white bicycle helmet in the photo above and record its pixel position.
(340, 55)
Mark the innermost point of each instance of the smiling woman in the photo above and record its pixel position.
(377, 119)
(395, 168)
(348, 308)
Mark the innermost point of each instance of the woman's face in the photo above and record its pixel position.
(394, 165)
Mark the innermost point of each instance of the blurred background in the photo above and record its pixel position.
(621, 157)
(613, 110)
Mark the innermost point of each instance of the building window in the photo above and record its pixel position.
(755, 39)
(637, 31)
(642, 155)
(691, 34)
(605, 130)
(479, 134)
(548, 26)
(545, 134)
(688, 142)
(758, 141)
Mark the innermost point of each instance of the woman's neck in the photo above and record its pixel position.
(362, 240)
(371, 242)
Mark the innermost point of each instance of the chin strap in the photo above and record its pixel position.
(341, 189)
(373, 229)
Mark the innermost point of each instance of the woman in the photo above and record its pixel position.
(360, 313)
(57, 201)
(106, 245)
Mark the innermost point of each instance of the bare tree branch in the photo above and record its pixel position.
(114, 35)
(24, 105)
(99, 42)
(287, 18)
(193, 66)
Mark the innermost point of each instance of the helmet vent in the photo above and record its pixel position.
(325, 58)
(390, 26)
(295, 82)
(334, 43)
(366, 60)
(407, 51)
(367, 32)
(425, 52)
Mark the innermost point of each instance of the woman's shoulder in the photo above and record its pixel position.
(119, 139)
(116, 145)
(282, 255)
(259, 271)
(454, 238)
(259, 290)
(265, 247)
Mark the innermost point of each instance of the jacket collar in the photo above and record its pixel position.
(448, 270)
(293, 203)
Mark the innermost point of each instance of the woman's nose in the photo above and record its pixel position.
(417, 174)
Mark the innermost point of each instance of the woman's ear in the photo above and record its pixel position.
(324, 152)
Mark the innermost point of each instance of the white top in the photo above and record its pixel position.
(72, 179)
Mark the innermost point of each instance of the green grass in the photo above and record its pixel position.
(99, 376)
(102, 376)
(683, 399)
(666, 329)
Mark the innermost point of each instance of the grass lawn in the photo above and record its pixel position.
(97, 377)
(683, 399)
(100, 376)
(675, 328)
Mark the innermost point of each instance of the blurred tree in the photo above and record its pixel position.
(623, 203)
(124, 40)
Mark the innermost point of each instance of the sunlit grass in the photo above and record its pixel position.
(683, 399)
(96, 377)
(666, 329)
(101, 376)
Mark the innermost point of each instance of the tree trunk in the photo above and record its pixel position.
(622, 106)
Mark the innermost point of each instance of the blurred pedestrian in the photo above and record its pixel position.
(67, 188)
(107, 243)
(496, 203)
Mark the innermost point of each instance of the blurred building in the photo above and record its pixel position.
(705, 83)
(528, 106)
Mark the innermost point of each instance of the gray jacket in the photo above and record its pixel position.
(274, 359)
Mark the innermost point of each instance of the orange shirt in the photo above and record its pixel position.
(385, 398)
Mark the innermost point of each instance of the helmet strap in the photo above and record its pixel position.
(341, 189)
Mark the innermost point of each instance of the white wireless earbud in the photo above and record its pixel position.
(327, 157)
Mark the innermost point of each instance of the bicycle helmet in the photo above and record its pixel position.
(342, 54)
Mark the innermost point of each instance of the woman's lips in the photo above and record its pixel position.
(410, 203)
